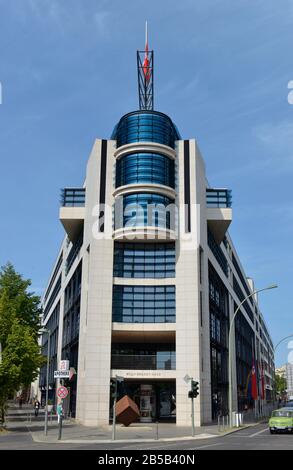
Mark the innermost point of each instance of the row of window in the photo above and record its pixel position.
(144, 260)
(143, 304)
(218, 253)
(71, 324)
(146, 127)
(145, 168)
(52, 298)
(144, 209)
(73, 289)
(239, 292)
(54, 275)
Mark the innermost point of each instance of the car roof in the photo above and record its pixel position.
(288, 408)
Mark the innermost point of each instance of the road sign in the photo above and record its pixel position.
(61, 374)
(60, 409)
(62, 392)
(64, 365)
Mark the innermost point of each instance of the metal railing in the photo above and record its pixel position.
(218, 197)
(72, 197)
(147, 362)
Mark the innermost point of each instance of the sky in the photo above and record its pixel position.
(222, 68)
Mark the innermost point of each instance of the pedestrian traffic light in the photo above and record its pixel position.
(193, 393)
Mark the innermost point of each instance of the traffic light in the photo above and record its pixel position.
(113, 389)
(193, 393)
(115, 386)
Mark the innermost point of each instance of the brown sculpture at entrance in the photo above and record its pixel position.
(126, 411)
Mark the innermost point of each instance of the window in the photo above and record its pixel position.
(143, 304)
(144, 260)
(145, 168)
(145, 209)
(147, 127)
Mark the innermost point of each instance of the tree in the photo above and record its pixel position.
(20, 353)
(280, 384)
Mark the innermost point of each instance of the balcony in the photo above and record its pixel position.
(219, 212)
(72, 211)
(159, 361)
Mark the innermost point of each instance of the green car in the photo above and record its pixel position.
(281, 420)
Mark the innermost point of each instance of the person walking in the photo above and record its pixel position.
(37, 405)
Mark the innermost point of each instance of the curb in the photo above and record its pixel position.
(141, 441)
(123, 441)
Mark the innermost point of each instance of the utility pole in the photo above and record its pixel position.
(46, 330)
(193, 393)
(230, 348)
(114, 388)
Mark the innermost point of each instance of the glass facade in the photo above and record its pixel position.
(70, 339)
(244, 345)
(144, 260)
(219, 321)
(145, 126)
(143, 356)
(53, 326)
(145, 209)
(143, 304)
(145, 168)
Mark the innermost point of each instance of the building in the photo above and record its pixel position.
(147, 279)
(281, 371)
(289, 380)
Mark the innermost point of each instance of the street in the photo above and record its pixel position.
(254, 438)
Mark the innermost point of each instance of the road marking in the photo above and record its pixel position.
(166, 445)
(259, 432)
(204, 447)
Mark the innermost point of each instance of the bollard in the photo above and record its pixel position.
(60, 428)
(219, 424)
(157, 430)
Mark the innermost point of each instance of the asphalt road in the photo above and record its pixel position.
(257, 437)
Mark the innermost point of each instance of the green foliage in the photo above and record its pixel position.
(280, 384)
(19, 329)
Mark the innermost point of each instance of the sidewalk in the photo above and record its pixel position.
(76, 433)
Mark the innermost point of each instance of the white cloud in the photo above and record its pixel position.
(279, 136)
(63, 15)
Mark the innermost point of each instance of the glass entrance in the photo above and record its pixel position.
(156, 400)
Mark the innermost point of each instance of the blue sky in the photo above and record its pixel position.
(68, 73)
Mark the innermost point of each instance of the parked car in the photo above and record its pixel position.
(281, 420)
(289, 404)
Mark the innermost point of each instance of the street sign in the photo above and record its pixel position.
(62, 392)
(64, 365)
(59, 409)
(61, 374)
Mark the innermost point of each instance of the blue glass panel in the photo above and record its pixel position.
(145, 168)
(148, 126)
(147, 310)
(145, 209)
(142, 265)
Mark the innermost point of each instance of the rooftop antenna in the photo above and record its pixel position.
(145, 70)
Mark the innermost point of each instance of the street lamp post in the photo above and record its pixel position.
(230, 348)
(275, 348)
(281, 341)
(46, 330)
